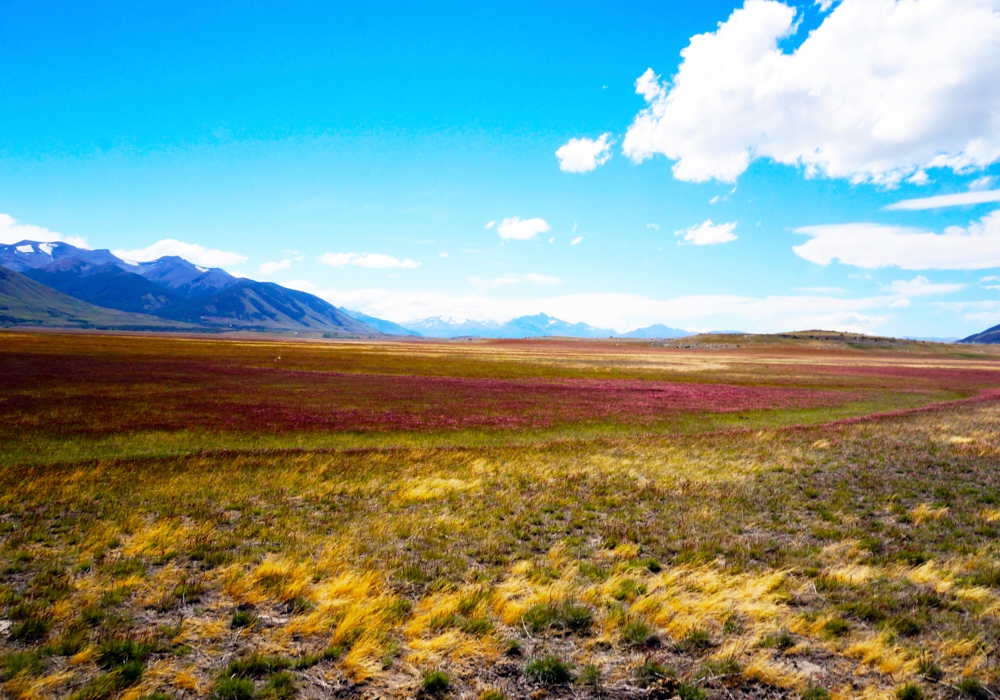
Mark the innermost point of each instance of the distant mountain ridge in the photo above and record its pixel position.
(175, 290)
(536, 326)
(25, 302)
(990, 336)
(380, 324)
(172, 292)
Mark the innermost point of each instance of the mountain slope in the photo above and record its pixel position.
(28, 255)
(25, 302)
(254, 305)
(990, 336)
(185, 279)
(104, 285)
(657, 330)
(175, 289)
(381, 325)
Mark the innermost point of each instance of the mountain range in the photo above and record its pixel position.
(61, 285)
(58, 284)
(537, 326)
(168, 292)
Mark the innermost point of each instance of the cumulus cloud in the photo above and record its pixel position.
(624, 312)
(192, 252)
(13, 232)
(947, 200)
(269, 268)
(708, 233)
(514, 228)
(575, 241)
(584, 155)
(369, 260)
(490, 224)
(880, 91)
(976, 247)
(920, 286)
(530, 278)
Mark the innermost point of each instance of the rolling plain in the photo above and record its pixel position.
(807, 515)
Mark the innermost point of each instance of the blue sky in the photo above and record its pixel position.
(384, 138)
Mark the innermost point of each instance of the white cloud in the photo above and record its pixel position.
(708, 233)
(521, 230)
(442, 255)
(653, 226)
(13, 232)
(920, 286)
(531, 278)
(369, 260)
(337, 259)
(881, 90)
(900, 304)
(947, 200)
(584, 155)
(981, 183)
(875, 245)
(377, 260)
(192, 252)
(490, 225)
(269, 268)
(576, 240)
(623, 312)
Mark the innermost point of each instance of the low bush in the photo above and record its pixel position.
(550, 670)
(435, 682)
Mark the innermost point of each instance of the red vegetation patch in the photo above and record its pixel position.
(94, 394)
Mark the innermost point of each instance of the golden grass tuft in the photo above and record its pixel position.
(880, 653)
(924, 513)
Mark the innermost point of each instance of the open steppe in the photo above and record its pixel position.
(807, 515)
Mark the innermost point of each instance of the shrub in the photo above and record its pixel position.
(243, 618)
(910, 691)
(650, 671)
(836, 627)
(492, 694)
(280, 687)
(512, 647)
(781, 639)
(27, 662)
(695, 640)
(815, 692)
(233, 689)
(550, 670)
(256, 666)
(628, 589)
(907, 626)
(590, 676)
(568, 616)
(72, 642)
(118, 651)
(974, 688)
(435, 682)
(636, 633)
(123, 568)
(929, 668)
(728, 666)
(106, 684)
(32, 629)
(690, 692)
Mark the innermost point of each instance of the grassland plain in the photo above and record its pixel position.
(811, 516)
